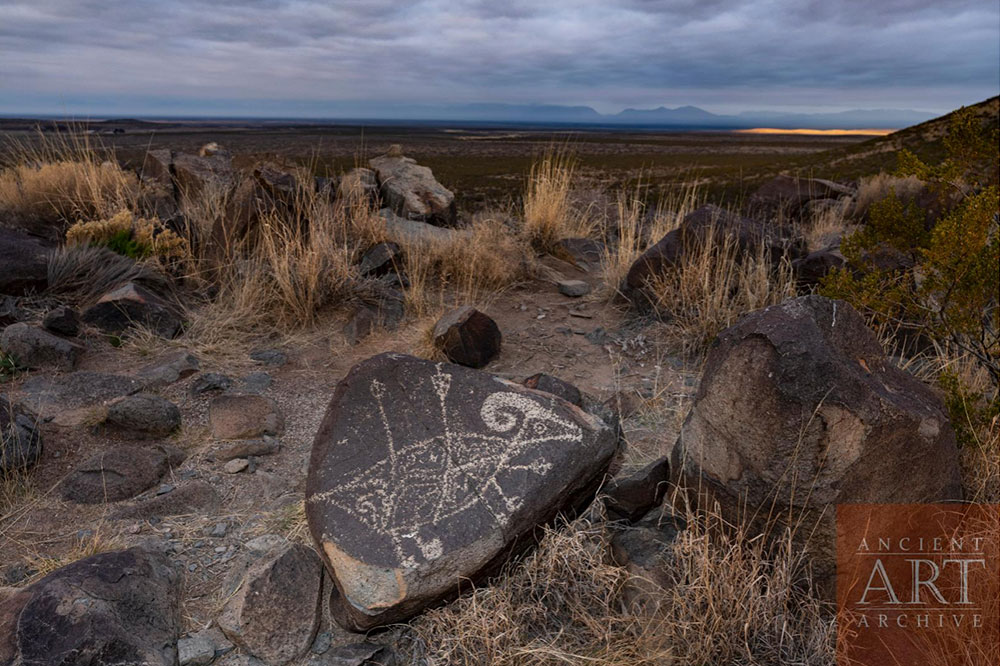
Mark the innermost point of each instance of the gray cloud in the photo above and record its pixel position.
(137, 56)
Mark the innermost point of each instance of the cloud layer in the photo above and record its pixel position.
(319, 58)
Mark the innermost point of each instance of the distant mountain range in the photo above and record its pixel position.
(688, 117)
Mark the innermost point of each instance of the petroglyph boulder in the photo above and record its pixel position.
(424, 475)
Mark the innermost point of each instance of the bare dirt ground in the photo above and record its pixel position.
(590, 342)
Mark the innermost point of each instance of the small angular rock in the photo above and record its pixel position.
(635, 495)
(467, 337)
(244, 417)
(63, 321)
(573, 288)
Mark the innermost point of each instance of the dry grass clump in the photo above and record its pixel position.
(61, 180)
(827, 227)
(132, 236)
(715, 286)
(548, 211)
(84, 273)
(732, 600)
(633, 230)
(471, 267)
(878, 187)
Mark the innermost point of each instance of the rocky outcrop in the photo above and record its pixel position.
(121, 607)
(130, 304)
(412, 192)
(710, 224)
(24, 263)
(468, 337)
(244, 417)
(799, 410)
(34, 347)
(425, 474)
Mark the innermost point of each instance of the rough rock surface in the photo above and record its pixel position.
(555, 386)
(62, 320)
(120, 607)
(412, 192)
(425, 474)
(20, 440)
(58, 396)
(709, 223)
(143, 416)
(273, 610)
(791, 192)
(118, 473)
(800, 410)
(34, 347)
(191, 497)
(171, 368)
(131, 304)
(634, 495)
(24, 263)
(810, 269)
(644, 550)
(244, 417)
(467, 337)
(195, 173)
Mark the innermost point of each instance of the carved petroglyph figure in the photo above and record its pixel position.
(422, 481)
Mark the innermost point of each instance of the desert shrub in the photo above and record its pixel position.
(548, 211)
(948, 291)
(9, 366)
(131, 236)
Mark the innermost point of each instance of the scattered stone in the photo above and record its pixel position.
(236, 465)
(635, 495)
(358, 184)
(143, 416)
(219, 530)
(208, 382)
(119, 473)
(120, 607)
(171, 368)
(415, 231)
(710, 224)
(244, 417)
(251, 447)
(195, 650)
(24, 263)
(598, 336)
(257, 382)
(273, 609)
(322, 643)
(412, 192)
(62, 320)
(34, 347)
(131, 304)
(381, 259)
(573, 288)
(276, 181)
(799, 410)
(467, 337)
(474, 464)
(269, 356)
(10, 313)
(356, 654)
(195, 174)
(644, 550)
(555, 386)
(584, 253)
(793, 193)
(813, 267)
(56, 396)
(20, 439)
(194, 497)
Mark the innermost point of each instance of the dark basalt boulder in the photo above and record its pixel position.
(426, 475)
(468, 337)
(121, 607)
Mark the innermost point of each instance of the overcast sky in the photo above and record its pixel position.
(273, 57)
